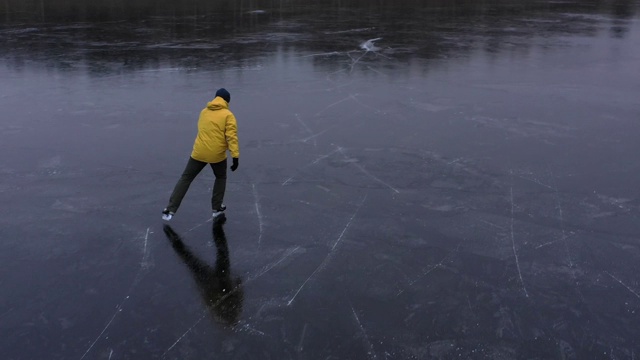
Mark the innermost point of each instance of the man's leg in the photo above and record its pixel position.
(190, 172)
(220, 172)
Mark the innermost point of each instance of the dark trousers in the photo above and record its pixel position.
(190, 172)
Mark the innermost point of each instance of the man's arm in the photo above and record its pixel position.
(231, 133)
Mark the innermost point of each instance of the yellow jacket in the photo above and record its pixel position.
(217, 133)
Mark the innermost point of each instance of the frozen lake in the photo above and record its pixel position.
(430, 182)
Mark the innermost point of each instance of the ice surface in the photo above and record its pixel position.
(416, 182)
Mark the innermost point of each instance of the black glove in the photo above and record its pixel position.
(235, 164)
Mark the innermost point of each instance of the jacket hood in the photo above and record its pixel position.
(217, 104)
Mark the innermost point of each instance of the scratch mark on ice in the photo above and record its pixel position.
(186, 332)
(348, 31)
(251, 330)
(429, 270)
(556, 241)
(370, 353)
(134, 283)
(377, 111)
(376, 71)
(323, 54)
(564, 234)
(513, 247)
(6, 313)
(329, 255)
(349, 223)
(288, 253)
(313, 136)
(492, 224)
(375, 178)
(306, 127)
(288, 180)
(536, 181)
(146, 237)
(111, 353)
(561, 217)
(324, 156)
(332, 105)
(354, 62)
(118, 310)
(623, 284)
(304, 331)
(368, 173)
(259, 214)
(197, 226)
(145, 255)
(309, 278)
(311, 163)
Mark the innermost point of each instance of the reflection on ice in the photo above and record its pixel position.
(222, 293)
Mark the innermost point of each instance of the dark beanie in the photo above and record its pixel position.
(223, 93)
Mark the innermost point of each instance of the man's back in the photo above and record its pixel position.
(217, 133)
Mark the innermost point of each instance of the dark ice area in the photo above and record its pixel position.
(437, 180)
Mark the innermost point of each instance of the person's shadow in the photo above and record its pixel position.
(222, 294)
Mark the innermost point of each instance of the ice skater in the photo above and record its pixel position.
(217, 134)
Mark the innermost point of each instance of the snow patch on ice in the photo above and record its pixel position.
(369, 45)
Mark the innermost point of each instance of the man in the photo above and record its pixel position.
(217, 133)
